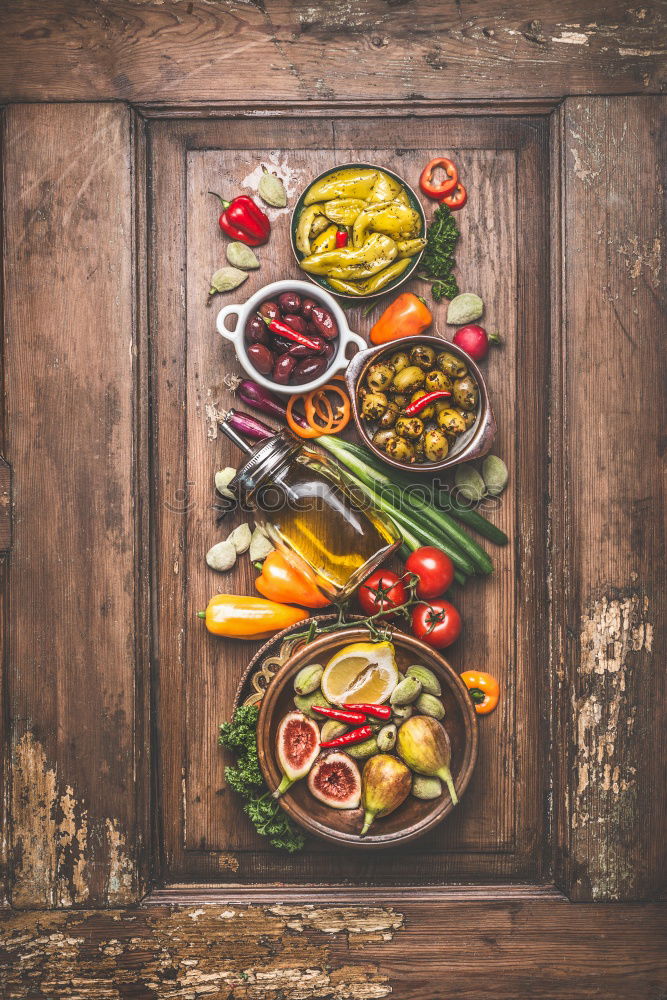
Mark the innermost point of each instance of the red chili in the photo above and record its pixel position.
(341, 238)
(457, 198)
(243, 220)
(283, 330)
(377, 711)
(438, 189)
(354, 718)
(412, 409)
(354, 736)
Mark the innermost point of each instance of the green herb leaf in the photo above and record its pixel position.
(438, 261)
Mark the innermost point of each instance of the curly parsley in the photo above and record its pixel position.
(245, 777)
(438, 261)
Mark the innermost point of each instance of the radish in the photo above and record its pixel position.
(475, 341)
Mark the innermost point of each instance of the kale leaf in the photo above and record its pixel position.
(245, 777)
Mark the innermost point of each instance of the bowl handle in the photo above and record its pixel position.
(233, 310)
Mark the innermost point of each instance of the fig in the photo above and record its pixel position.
(385, 785)
(297, 748)
(424, 746)
(335, 780)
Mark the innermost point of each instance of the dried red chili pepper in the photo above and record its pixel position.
(352, 718)
(438, 189)
(377, 711)
(347, 739)
(243, 220)
(341, 238)
(457, 198)
(283, 330)
(412, 409)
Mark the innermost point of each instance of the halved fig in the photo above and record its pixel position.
(335, 780)
(297, 747)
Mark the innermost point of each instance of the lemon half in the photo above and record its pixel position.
(361, 672)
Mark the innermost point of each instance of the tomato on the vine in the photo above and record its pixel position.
(434, 569)
(437, 623)
(382, 591)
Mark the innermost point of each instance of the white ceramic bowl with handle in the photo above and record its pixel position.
(306, 290)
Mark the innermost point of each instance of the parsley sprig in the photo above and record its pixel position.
(438, 261)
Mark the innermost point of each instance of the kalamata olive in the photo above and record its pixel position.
(270, 309)
(261, 358)
(307, 307)
(283, 368)
(256, 331)
(280, 345)
(309, 369)
(289, 302)
(296, 322)
(330, 348)
(324, 322)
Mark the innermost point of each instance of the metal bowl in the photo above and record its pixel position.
(321, 281)
(474, 443)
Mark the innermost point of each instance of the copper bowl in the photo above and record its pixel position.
(474, 443)
(414, 817)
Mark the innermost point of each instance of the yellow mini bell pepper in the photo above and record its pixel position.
(349, 182)
(248, 617)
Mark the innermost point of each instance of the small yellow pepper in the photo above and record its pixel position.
(343, 211)
(374, 284)
(348, 262)
(390, 217)
(349, 182)
(325, 240)
(248, 617)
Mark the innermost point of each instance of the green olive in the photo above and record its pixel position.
(423, 356)
(379, 376)
(408, 379)
(437, 380)
(428, 411)
(436, 445)
(451, 422)
(468, 416)
(390, 415)
(451, 365)
(409, 427)
(400, 449)
(398, 361)
(400, 399)
(466, 393)
(374, 405)
(381, 438)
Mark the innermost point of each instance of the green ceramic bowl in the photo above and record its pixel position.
(321, 281)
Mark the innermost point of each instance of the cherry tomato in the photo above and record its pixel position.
(434, 568)
(382, 591)
(437, 623)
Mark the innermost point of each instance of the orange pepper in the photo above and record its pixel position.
(280, 581)
(484, 690)
(248, 617)
(407, 316)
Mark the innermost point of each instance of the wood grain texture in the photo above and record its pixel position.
(69, 358)
(461, 950)
(610, 558)
(498, 831)
(172, 51)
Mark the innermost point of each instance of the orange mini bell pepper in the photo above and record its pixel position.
(281, 581)
(248, 617)
(484, 690)
(407, 316)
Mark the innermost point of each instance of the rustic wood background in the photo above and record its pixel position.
(93, 384)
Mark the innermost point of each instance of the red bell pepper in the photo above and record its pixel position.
(243, 220)
(457, 198)
(438, 189)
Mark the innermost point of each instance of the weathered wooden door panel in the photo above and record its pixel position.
(503, 254)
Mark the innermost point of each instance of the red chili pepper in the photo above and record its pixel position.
(457, 198)
(412, 409)
(353, 718)
(438, 189)
(243, 220)
(354, 736)
(283, 330)
(341, 238)
(377, 711)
